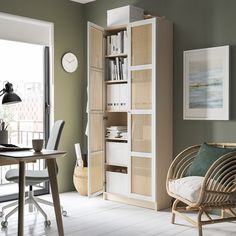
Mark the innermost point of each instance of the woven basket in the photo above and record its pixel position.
(80, 179)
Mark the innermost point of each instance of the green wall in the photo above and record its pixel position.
(197, 24)
(68, 18)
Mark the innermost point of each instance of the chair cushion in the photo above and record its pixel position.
(187, 187)
(32, 177)
(206, 156)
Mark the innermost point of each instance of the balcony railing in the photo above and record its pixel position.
(21, 133)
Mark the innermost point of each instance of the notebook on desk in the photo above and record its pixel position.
(12, 147)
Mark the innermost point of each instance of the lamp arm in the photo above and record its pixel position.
(2, 91)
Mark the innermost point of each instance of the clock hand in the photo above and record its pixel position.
(71, 61)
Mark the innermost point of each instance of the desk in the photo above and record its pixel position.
(21, 157)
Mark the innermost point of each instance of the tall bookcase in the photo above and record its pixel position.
(131, 168)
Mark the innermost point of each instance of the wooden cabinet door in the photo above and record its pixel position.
(95, 110)
(142, 109)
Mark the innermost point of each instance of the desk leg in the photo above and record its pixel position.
(52, 171)
(21, 199)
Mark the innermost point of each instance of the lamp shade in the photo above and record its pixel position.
(9, 96)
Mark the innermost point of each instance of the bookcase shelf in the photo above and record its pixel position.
(116, 55)
(116, 82)
(116, 139)
(114, 111)
(114, 164)
(114, 29)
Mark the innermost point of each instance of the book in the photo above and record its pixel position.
(108, 45)
(124, 69)
(118, 68)
(125, 42)
(117, 43)
(113, 44)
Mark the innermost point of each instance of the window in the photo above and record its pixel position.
(23, 65)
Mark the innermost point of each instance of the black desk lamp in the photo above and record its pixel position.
(9, 96)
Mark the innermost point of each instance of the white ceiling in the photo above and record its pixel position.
(83, 1)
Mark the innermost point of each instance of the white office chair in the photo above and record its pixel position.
(33, 177)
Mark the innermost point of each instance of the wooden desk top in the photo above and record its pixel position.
(16, 156)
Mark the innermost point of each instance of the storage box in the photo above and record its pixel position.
(116, 183)
(124, 15)
(117, 153)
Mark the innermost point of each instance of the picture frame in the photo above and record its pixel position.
(206, 84)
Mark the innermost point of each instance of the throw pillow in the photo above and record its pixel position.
(206, 156)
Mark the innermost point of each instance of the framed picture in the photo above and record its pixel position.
(206, 84)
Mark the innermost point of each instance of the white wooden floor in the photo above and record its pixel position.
(95, 216)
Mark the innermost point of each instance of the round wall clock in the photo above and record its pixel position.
(69, 62)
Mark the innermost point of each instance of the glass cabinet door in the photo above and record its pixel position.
(141, 89)
(141, 109)
(141, 45)
(141, 133)
(141, 142)
(141, 176)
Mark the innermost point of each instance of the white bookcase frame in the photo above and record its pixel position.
(161, 79)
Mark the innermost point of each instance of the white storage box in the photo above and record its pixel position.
(124, 15)
(116, 183)
(117, 153)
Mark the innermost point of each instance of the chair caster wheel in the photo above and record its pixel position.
(47, 223)
(4, 224)
(64, 213)
(1, 214)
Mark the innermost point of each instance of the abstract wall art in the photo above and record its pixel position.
(206, 84)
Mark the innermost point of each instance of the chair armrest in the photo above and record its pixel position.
(181, 162)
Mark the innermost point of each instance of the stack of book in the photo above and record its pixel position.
(116, 132)
(117, 69)
(117, 43)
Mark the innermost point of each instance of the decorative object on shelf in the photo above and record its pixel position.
(9, 96)
(206, 84)
(69, 62)
(124, 15)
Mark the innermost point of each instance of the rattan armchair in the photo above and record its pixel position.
(217, 191)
